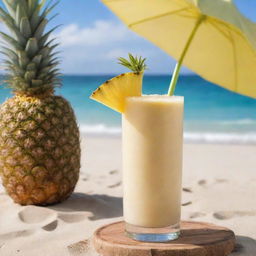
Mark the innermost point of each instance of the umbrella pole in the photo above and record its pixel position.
(176, 72)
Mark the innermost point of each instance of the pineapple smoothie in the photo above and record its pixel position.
(152, 153)
(152, 160)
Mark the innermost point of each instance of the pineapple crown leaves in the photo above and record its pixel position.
(135, 64)
(30, 56)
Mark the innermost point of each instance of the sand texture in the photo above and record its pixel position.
(219, 187)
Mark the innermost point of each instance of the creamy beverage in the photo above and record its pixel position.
(152, 153)
(152, 160)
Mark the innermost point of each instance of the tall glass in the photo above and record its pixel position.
(152, 167)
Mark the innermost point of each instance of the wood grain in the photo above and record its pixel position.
(197, 239)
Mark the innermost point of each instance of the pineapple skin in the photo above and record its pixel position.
(39, 149)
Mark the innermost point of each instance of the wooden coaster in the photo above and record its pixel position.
(197, 239)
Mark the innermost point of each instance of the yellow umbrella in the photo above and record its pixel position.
(221, 41)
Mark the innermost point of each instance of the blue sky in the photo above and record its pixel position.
(92, 38)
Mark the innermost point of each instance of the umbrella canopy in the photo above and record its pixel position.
(211, 37)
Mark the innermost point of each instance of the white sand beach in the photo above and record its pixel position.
(219, 187)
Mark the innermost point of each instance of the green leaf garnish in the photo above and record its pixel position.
(135, 64)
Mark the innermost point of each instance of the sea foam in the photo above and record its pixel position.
(189, 137)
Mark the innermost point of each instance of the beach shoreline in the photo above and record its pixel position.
(217, 138)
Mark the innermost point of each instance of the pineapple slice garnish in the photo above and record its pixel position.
(113, 92)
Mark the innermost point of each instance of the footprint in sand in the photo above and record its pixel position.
(72, 218)
(187, 203)
(85, 177)
(221, 180)
(67, 218)
(202, 182)
(225, 215)
(188, 190)
(113, 172)
(119, 183)
(51, 226)
(195, 215)
(37, 215)
(12, 235)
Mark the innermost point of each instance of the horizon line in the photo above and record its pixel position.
(114, 74)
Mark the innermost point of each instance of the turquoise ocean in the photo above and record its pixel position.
(212, 114)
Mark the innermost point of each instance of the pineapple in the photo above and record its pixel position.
(113, 92)
(39, 136)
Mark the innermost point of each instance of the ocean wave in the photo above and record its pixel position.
(220, 138)
(189, 137)
(245, 121)
(100, 129)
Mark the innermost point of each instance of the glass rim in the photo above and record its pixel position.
(156, 98)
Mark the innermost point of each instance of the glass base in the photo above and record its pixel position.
(153, 235)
